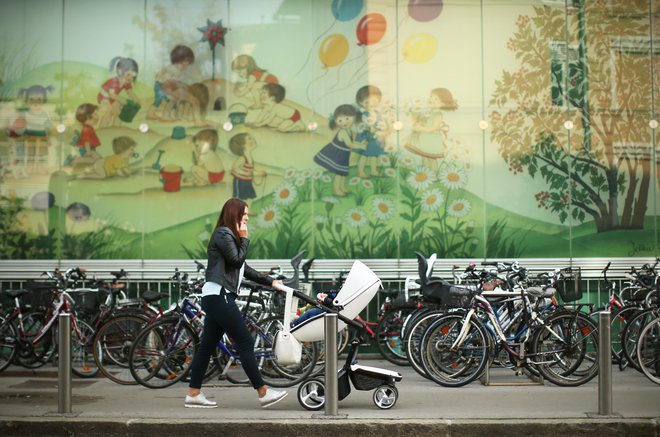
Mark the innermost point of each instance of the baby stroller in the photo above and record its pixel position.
(359, 288)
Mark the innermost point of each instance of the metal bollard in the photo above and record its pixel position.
(331, 381)
(604, 364)
(64, 364)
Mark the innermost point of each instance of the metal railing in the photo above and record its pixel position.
(153, 274)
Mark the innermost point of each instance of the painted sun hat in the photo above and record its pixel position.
(178, 132)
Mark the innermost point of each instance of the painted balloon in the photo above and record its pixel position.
(78, 212)
(43, 200)
(346, 10)
(333, 50)
(425, 10)
(419, 48)
(371, 29)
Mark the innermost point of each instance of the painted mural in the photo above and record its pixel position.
(353, 128)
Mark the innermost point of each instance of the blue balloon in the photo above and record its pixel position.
(345, 10)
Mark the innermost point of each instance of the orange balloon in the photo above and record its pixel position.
(333, 50)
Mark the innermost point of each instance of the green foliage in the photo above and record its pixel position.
(15, 243)
(499, 245)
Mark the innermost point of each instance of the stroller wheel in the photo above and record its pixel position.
(311, 394)
(385, 396)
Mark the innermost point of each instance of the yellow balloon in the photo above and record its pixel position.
(333, 50)
(419, 48)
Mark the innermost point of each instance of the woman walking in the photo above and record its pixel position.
(225, 270)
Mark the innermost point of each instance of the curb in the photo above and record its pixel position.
(68, 426)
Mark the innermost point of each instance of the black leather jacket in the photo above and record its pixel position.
(225, 258)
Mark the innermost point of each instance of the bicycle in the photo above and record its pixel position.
(162, 352)
(35, 343)
(456, 348)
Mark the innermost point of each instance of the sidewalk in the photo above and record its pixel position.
(28, 406)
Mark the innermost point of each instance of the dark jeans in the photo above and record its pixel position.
(223, 316)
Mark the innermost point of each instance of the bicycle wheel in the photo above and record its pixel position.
(8, 339)
(413, 339)
(162, 353)
(454, 367)
(388, 336)
(82, 349)
(33, 355)
(648, 351)
(112, 345)
(565, 349)
(631, 332)
(618, 322)
(274, 373)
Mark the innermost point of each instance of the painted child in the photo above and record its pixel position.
(429, 133)
(335, 156)
(14, 123)
(170, 88)
(254, 79)
(242, 170)
(373, 130)
(276, 114)
(207, 166)
(87, 114)
(114, 165)
(109, 98)
(37, 126)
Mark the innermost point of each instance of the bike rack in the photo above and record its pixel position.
(533, 380)
(486, 379)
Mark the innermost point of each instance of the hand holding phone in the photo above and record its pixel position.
(243, 230)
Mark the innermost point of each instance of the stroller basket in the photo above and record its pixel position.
(569, 286)
(369, 378)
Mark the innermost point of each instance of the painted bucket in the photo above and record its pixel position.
(129, 111)
(170, 176)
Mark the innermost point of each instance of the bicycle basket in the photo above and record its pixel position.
(569, 286)
(447, 295)
(39, 294)
(86, 301)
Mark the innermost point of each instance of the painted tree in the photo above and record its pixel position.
(589, 63)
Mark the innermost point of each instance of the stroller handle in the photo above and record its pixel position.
(302, 296)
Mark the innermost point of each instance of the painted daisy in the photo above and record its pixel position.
(306, 173)
(355, 180)
(453, 178)
(367, 183)
(290, 173)
(432, 199)
(383, 208)
(459, 208)
(421, 178)
(284, 194)
(356, 217)
(390, 172)
(269, 217)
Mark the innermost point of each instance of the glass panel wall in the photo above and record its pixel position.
(353, 129)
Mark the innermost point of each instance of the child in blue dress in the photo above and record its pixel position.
(334, 157)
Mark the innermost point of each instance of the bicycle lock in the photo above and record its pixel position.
(64, 364)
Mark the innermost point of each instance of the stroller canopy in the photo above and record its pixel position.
(359, 288)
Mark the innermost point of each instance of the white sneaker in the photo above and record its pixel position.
(199, 401)
(272, 397)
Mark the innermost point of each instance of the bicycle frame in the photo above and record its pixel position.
(480, 302)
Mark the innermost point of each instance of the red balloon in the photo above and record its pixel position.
(371, 29)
